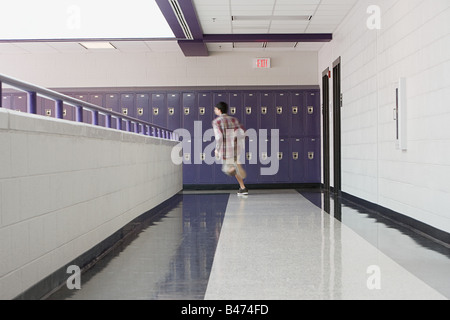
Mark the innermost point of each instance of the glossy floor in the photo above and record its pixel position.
(273, 244)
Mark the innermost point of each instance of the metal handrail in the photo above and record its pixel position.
(80, 105)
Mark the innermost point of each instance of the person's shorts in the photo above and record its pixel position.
(227, 168)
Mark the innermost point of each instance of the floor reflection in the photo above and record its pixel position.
(421, 255)
(169, 256)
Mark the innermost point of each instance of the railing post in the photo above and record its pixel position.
(108, 121)
(128, 125)
(32, 102)
(59, 114)
(95, 118)
(79, 114)
(1, 95)
(119, 123)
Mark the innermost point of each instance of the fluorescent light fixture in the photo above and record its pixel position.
(280, 18)
(97, 45)
(82, 19)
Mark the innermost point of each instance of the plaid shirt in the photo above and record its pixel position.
(229, 144)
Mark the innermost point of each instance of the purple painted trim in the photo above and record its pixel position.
(190, 15)
(171, 19)
(59, 109)
(270, 37)
(32, 102)
(193, 48)
(79, 114)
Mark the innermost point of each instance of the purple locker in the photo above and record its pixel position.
(174, 111)
(252, 164)
(267, 112)
(206, 170)
(250, 111)
(127, 107)
(19, 102)
(158, 107)
(312, 124)
(45, 107)
(312, 160)
(205, 110)
(6, 101)
(297, 115)
(283, 113)
(283, 157)
(97, 99)
(189, 111)
(112, 103)
(235, 105)
(266, 156)
(142, 107)
(297, 166)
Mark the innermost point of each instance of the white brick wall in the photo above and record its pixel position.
(64, 187)
(414, 43)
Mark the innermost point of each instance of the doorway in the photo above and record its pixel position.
(337, 104)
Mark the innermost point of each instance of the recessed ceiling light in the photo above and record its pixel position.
(97, 45)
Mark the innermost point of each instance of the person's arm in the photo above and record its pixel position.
(219, 139)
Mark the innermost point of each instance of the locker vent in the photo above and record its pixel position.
(181, 20)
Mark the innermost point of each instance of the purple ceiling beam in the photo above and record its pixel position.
(193, 48)
(189, 14)
(298, 37)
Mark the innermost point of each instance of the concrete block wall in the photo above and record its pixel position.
(66, 186)
(412, 42)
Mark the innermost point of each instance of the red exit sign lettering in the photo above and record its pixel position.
(262, 63)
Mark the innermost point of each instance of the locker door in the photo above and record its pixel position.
(312, 125)
(251, 110)
(252, 164)
(296, 158)
(159, 109)
(205, 110)
(267, 112)
(97, 99)
(127, 104)
(221, 96)
(205, 116)
(6, 101)
(283, 113)
(236, 109)
(19, 102)
(297, 114)
(266, 156)
(112, 103)
(142, 110)
(189, 112)
(283, 157)
(188, 117)
(312, 160)
(173, 111)
(46, 107)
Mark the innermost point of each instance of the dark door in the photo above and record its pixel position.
(337, 104)
(326, 129)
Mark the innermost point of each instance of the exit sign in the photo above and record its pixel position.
(262, 63)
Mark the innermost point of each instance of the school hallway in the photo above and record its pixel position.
(281, 244)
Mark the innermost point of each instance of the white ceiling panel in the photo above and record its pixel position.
(215, 17)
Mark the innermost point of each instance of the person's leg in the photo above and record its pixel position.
(241, 181)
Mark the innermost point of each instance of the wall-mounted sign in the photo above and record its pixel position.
(262, 63)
